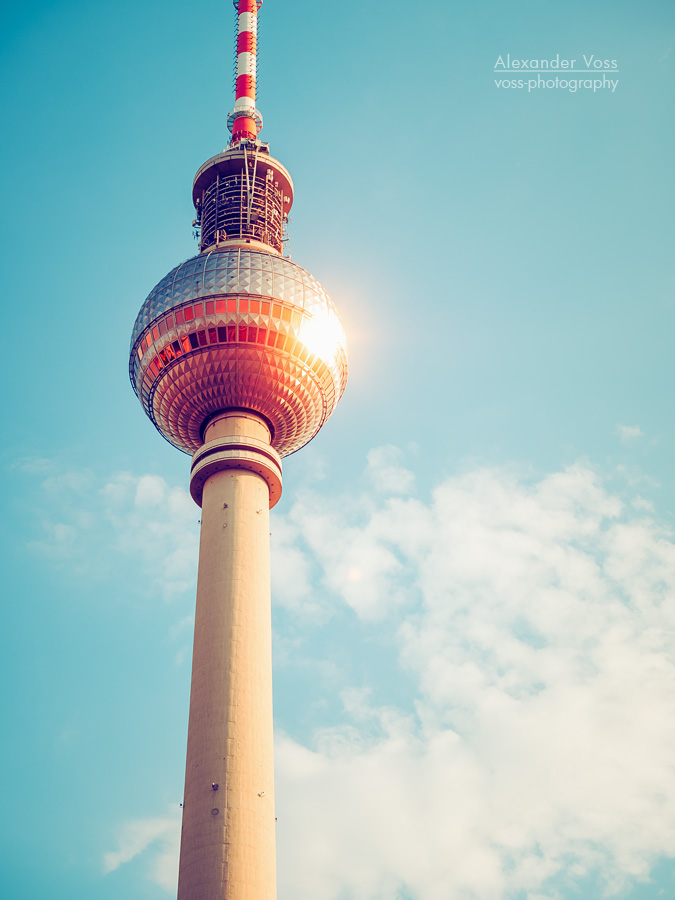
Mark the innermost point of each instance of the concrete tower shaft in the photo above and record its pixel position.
(228, 840)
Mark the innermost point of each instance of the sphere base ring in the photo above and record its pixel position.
(235, 452)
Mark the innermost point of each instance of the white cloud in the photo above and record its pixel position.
(157, 839)
(89, 524)
(185, 624)
(155, 523)
(541, 749)
(179, 630)
(387, 473)
(34, 465)
(642, 503)
(291, 569)
(629, 433)
(350, 545)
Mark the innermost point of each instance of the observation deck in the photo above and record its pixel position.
(242, 193)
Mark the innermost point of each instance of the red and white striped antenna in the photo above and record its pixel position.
(244, 121)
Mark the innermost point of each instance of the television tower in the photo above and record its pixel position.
(238, 358)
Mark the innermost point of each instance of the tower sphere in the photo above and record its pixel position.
(238, 327)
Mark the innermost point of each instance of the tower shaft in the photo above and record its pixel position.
(228, 835)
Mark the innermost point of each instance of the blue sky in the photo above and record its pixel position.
(474, 562)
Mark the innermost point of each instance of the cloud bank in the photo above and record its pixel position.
(90, 524)
(536, 620)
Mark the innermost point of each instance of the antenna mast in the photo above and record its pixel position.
(244, 121)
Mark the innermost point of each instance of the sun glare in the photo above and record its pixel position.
(322, 334)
